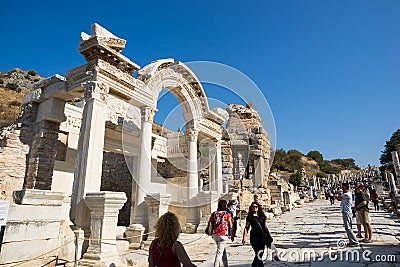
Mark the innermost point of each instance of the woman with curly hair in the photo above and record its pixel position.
(165, 250)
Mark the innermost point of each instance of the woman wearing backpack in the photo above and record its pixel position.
(221, 222)
(165, 250)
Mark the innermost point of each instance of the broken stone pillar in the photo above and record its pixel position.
(392, 182)
(396, 163)
(134, 235)
(43, 149)
(102, 250)
(398, 153)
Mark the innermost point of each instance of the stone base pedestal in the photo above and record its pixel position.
(134, 234)
(102, 250)
(157, 205)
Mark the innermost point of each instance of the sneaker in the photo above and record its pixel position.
(353, 245)
(359, 236)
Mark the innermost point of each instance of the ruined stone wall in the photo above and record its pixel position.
(227, 164)
(117, 177)
(171, 169)
(14, 149)
(248, 142)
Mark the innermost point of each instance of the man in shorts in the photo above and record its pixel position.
(361, 206)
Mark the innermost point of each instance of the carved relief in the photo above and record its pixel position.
(96, 90)
(192, 135)
(147, 114)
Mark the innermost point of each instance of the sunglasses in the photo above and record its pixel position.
(255, 207)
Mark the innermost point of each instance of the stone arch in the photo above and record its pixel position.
(179, 80)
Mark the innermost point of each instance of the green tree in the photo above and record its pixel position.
(316, 155)
(386, 156)
(295, 179)
(346, 163)
(280, 160)
(327, 167)
(32, 73)
(294, 160)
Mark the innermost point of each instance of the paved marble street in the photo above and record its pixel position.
(307, 236)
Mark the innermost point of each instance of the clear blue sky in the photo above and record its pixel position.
(330, 70)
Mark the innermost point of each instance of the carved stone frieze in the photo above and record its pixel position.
(147, 114)
(192, 135)
(96, 90)
(72, 122)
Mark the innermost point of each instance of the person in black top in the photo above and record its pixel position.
(256, 220)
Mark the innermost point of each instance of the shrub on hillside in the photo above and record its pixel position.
(14, 103)
(12, 86)
(32, 73)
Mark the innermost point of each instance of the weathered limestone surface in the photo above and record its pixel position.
(14, 148)
(33, 227)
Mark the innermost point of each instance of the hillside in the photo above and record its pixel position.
(13, 85)
(288, 162)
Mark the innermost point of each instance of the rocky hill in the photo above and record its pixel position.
(13, 85)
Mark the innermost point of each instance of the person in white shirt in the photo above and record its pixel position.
(346, 207)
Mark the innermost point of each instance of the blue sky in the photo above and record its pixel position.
(330, 70)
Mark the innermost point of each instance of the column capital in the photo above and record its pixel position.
(96, 90)
(192, 134)
(147, 113)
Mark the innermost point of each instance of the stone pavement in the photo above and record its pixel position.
(308, 236)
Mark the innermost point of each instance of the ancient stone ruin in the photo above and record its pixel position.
(86, 156)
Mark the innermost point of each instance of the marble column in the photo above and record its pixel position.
(211, 172)
(102, 250)
(144, 168)
(90, 151)
(259, 171)
(398, 154)
(193, 178)
(393, 186)
(218, 167)
(396, 163)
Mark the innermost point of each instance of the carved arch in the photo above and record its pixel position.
(179, 80)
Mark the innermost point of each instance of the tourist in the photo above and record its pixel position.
(375, 199)
(232, 205)
(221, 223)
(358, 223)
(346, 209)
(165, 250)
(332, 196)
(256, 220)
(361, 205)
(393, 205)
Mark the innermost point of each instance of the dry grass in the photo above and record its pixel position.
(10, 106)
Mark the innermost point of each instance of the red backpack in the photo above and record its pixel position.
(219, 224)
